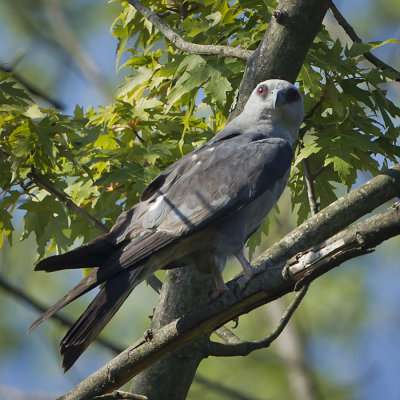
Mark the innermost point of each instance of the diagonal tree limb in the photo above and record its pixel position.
(355, 38)
(336, 216)
(180, 43)
(270, 283)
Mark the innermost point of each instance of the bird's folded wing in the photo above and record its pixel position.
(210, 185)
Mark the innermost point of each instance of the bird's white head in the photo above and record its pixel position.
(279, 103)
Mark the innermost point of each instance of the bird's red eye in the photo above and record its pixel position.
(261, 89)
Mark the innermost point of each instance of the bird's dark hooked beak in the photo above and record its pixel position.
(287, 96)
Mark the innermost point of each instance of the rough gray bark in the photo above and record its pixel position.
(284, 46)
(183, 290)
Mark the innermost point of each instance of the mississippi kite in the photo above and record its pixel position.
(200, 210)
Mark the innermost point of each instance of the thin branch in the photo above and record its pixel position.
(336, 216)
(314, 108)
(180, 43)
(320, 169)
(66, 38)
(40, 182)
(244, 348)
(32, 89)
(152, 280)
(31, 302)
(270, 283)
(312, 200)
(230, 393)
(355, 38)
(118, 395)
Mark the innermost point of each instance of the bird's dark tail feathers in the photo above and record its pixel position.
(87, 255)
(97, 315)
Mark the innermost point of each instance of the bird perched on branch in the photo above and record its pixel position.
(199, 211)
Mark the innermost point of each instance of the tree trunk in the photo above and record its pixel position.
(170, 378)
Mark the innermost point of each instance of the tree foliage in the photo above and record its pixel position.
(171, 103)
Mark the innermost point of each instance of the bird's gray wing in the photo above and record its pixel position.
(210, 185)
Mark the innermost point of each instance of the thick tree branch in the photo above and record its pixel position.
(270, 283)
(180, 43)
(336, 216)
(244, 348)
(355, 38)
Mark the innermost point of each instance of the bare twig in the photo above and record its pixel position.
(355, 38)
(180, 43)
(243, 348)
(320, 169)
(310, 187)
(66, 38)
(230, 393)
(118, 395)
(31, 88)
(314, 108)
(31, 302)
(39, 181)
